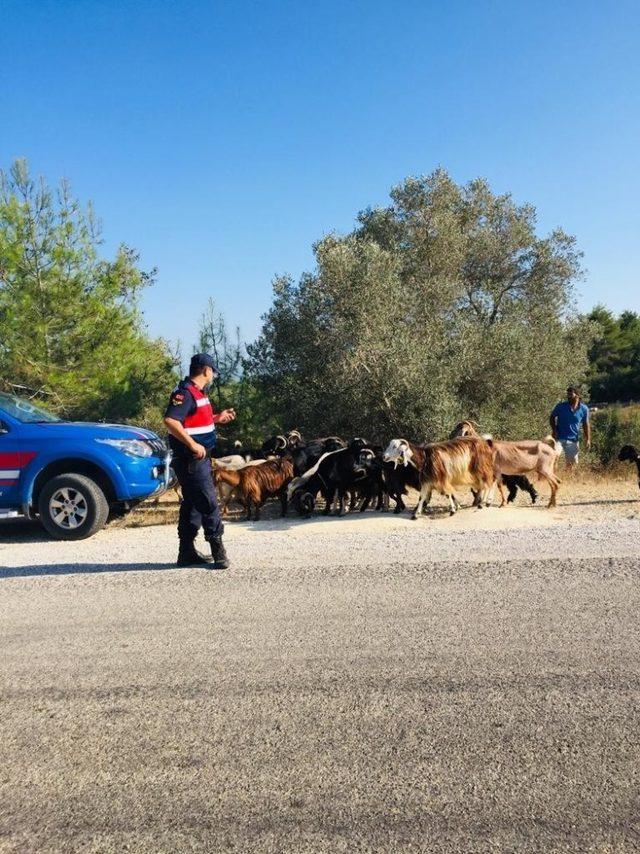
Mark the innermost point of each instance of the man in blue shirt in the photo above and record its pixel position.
(566, 419)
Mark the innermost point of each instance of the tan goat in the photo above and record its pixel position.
(444, 466)
(521, 457)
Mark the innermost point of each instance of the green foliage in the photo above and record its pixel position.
(70, 327)
(444, 305)
(232, 386)
(214, 338)
(256, 418)
(611, 429)
(614, 372)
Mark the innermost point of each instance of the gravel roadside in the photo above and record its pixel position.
(355, 541)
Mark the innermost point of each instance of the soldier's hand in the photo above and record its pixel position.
(227, 415)
(199, 451)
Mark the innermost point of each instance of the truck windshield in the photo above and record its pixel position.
(24, 410)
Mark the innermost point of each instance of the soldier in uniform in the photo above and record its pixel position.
(191, 421)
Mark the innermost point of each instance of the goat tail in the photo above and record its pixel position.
(553, 444)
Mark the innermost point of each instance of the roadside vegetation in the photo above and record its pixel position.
(613, 427)
(71, 331)
(444, 304)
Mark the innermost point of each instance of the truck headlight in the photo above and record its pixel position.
(134, 447)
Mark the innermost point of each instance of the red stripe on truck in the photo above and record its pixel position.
(16, 460)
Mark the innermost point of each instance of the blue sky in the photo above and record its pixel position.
(222, 139)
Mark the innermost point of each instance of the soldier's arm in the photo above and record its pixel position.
(177, 431)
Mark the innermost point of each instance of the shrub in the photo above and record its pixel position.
(613, 428)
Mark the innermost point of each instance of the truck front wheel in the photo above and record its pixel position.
(72, 507)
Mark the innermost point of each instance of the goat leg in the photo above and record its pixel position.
(425, 495)
(400, 505)
(328, 496)
(366, 501)
(512, 485)
(284, 501)
(531, 490)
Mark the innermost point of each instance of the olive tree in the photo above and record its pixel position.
(444, 304)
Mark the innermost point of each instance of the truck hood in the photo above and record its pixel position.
(88, 430)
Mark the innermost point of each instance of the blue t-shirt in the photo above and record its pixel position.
(569, 421)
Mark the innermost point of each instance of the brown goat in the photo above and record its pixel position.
(527, 455)
(255, 483)
(446, 465)
(226, 492)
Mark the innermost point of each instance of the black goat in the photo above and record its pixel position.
(274, 446)
(304, 457)
(295, 439)
(396, 481)
(370, 483)
(338, 471)
(628, 454)
(285, 443)
(514, 482)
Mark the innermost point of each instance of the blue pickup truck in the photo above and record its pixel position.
(73, 475)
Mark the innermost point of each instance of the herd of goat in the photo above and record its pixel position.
(357, 472)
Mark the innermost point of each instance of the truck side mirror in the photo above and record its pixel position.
(3, 428)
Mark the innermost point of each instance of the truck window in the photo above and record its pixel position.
(23, 410)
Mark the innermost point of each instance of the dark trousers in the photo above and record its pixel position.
(199, 506)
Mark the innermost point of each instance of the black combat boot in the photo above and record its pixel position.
(221, 561)
(188, 555)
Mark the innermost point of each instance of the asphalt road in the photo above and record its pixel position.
(425, 705)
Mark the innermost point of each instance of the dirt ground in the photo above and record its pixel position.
(359, 684)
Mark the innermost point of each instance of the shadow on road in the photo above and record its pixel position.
(22, 531)
(86, 568)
